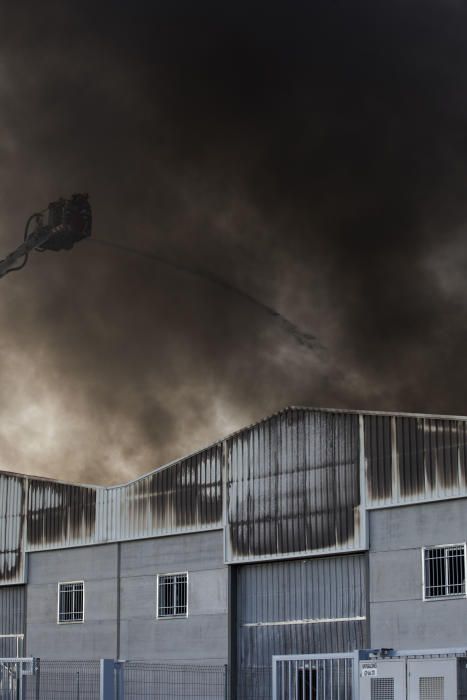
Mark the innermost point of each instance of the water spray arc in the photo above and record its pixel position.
(67, 221)
(304, 338)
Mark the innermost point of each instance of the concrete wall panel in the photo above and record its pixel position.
(416, 625)
(202, 636)
(396, 575)
(96, 636)
(201, 550)
(399, 617)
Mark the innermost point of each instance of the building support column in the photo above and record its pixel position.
(232, 631)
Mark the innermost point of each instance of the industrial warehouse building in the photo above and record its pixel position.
(312, 531)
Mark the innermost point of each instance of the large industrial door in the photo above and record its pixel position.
(432, 679)
(308, 606)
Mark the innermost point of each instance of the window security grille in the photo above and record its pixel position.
(71, 602)
(172, 595)
(445, 571)
(432, 688)
(382, 689)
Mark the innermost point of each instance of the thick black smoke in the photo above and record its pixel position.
(311, 155)
(302, 337)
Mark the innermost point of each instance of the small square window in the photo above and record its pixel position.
(444, 571)
(71, 601)
(172, 595)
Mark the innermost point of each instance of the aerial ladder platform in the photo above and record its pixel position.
(59, 227)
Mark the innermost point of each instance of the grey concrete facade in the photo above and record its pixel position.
(120, 601)
(399, 617)
(300, 534)
(121, 584)
(96, 636)
(200, 637)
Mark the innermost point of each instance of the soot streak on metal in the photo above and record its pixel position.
(60, 513)
(186, 494)
(378, 456)
(293, 484)
(12, 557)
(428, 455)
(410, 457)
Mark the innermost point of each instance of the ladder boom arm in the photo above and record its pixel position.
(68, 221)
(34, 240)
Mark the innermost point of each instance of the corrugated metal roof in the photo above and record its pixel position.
(293, 486)
(12, 528)
(410, 459)
(296, 483)
(183, 497)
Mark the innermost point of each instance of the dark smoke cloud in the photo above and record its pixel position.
(302, 337)
(311, 155)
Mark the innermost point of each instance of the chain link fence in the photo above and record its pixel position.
(142, 681)
(63, 680)
(42, 679)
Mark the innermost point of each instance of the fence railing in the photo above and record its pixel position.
(310, 676)
(167, 681)
(41, 679)
(62, 680)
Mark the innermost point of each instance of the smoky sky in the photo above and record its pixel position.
(312, 155)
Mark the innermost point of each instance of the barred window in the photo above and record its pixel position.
(444, 571)
(172, 598)
(71, 601)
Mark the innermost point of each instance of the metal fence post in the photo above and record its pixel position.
(226, 682)
(274, 678)
(120, 680)
(107, 685)
(19, 680)
(356, 675)
(37, 674)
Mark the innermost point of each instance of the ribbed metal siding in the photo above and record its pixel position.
(60, 514)
(413, 458)
(184, 496)
(300, 592)
(12, 612)
(12, 517)
(293, 486)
